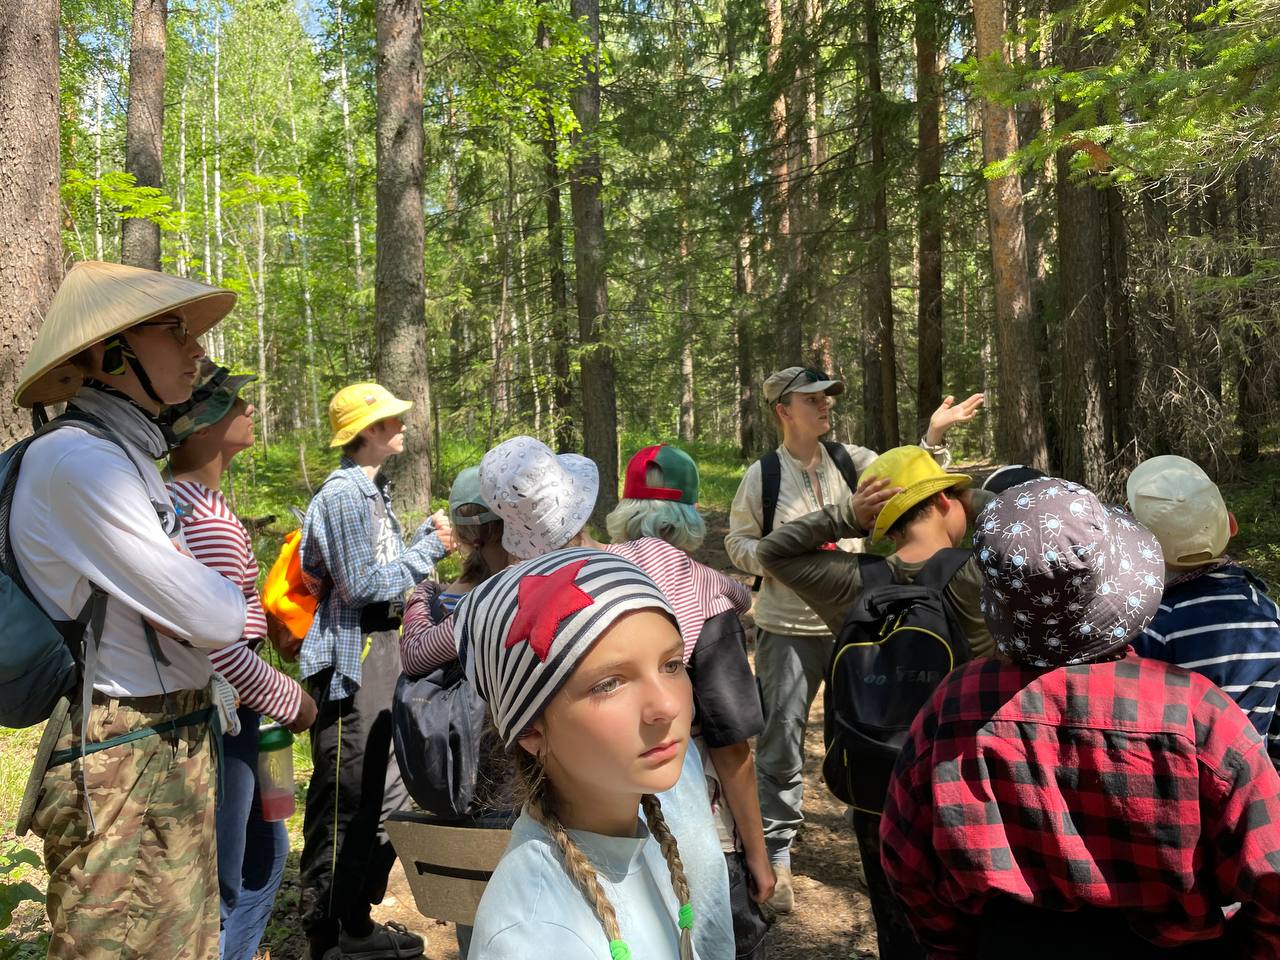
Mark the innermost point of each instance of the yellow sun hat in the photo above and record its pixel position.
(98, 300)
(355, 407)
(920, 477)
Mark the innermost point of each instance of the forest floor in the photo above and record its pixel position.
(832, 920)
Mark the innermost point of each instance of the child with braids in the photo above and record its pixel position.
(579, 657)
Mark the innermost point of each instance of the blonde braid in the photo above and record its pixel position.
(540, 807)
(671, 853)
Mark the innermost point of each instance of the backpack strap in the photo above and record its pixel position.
(942, 566)
(839, 455)
(770, 484)
(875, 571)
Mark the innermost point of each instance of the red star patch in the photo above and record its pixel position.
(545, 601)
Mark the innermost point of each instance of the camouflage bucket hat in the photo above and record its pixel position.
(214, 394)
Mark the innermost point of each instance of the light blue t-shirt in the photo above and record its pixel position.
(531, 907)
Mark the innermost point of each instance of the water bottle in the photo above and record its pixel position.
(275, 772)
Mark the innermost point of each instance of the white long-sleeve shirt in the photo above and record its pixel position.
(82, 512)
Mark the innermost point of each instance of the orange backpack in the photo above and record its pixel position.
(284, 594)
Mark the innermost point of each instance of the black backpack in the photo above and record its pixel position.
(771, 482)
(897, 643)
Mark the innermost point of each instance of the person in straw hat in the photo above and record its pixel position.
(354, 558)
(1071, 798)
(128, 829)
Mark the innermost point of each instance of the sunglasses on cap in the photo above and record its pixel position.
(810, 375)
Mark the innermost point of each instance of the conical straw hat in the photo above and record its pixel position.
(97, 300)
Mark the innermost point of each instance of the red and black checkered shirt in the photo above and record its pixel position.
(1131, 785)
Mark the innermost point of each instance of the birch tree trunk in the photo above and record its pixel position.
(144, 127)
(30, 243)
(349, 152)
(304, 274)
(400, 285)
(97, 167)
(184, 241)
(260, 304)
(1020, 436)
(599, 400)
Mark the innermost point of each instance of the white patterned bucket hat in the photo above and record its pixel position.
(1065, 579)
(544, 499)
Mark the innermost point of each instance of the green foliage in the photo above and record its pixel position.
(16, 864)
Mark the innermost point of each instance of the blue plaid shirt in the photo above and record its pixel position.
(339, 563)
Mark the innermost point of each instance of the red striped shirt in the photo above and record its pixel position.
(695, 592)
(217, 538)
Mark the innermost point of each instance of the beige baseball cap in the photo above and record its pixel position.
(800, 380)
(1178, 502)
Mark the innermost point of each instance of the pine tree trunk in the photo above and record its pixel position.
(790, 342)
(561, 325)
(1020, 436)
(929, 341)
(749, 428)
(1124, 363)
(144, 127)
(400, 284)
(880, 287)
(599, 400)
(30, 242)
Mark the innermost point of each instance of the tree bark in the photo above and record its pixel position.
(880, 288)
(97, 167)
(790, 341)
(400, 284)
(1124, 364)
(144, 127)
(30, 242)
(929, 342)
(599, 400)
(260, 304)
(304, 274)
(1251, 399)
(561, 328)
(750, 437)
(1020, 435)
(349, 153)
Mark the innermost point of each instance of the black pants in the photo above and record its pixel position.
(893, 932)
(346, 854)
(749, 924)
(1012, 931)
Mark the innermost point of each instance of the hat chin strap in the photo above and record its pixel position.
(161, 420)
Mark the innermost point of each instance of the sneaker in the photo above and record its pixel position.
(784, 894)
(388, 941)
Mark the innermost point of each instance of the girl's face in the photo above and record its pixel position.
(620, 726)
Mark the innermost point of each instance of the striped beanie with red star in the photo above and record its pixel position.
(521, 633)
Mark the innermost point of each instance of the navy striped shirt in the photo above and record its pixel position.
(1222, 624)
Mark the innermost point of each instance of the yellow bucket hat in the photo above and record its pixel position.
(355, 407)
(920, 477)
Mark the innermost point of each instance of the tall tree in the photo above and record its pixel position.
(790, 332)
(599, 398)
(880, 282)
(400, 283)
(30, 243)
(144, 134)
(561, 331)
(931, 215)
(1020, 435)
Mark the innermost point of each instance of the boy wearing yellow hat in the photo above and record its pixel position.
(1215, 617)
(905, 496)
(125, 806)
(354, 558)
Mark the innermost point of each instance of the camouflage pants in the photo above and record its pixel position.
(145, 885)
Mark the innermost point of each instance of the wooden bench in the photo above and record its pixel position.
(447, 862)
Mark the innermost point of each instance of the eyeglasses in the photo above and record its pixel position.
(177, 329)
(813, 376)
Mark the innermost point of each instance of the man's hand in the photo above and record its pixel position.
(306, 715)
(949, 414)
(444, 530)
(870, 499)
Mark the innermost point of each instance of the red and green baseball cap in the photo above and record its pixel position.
(679, 472)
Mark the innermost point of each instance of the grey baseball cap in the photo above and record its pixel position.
(800, 380)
